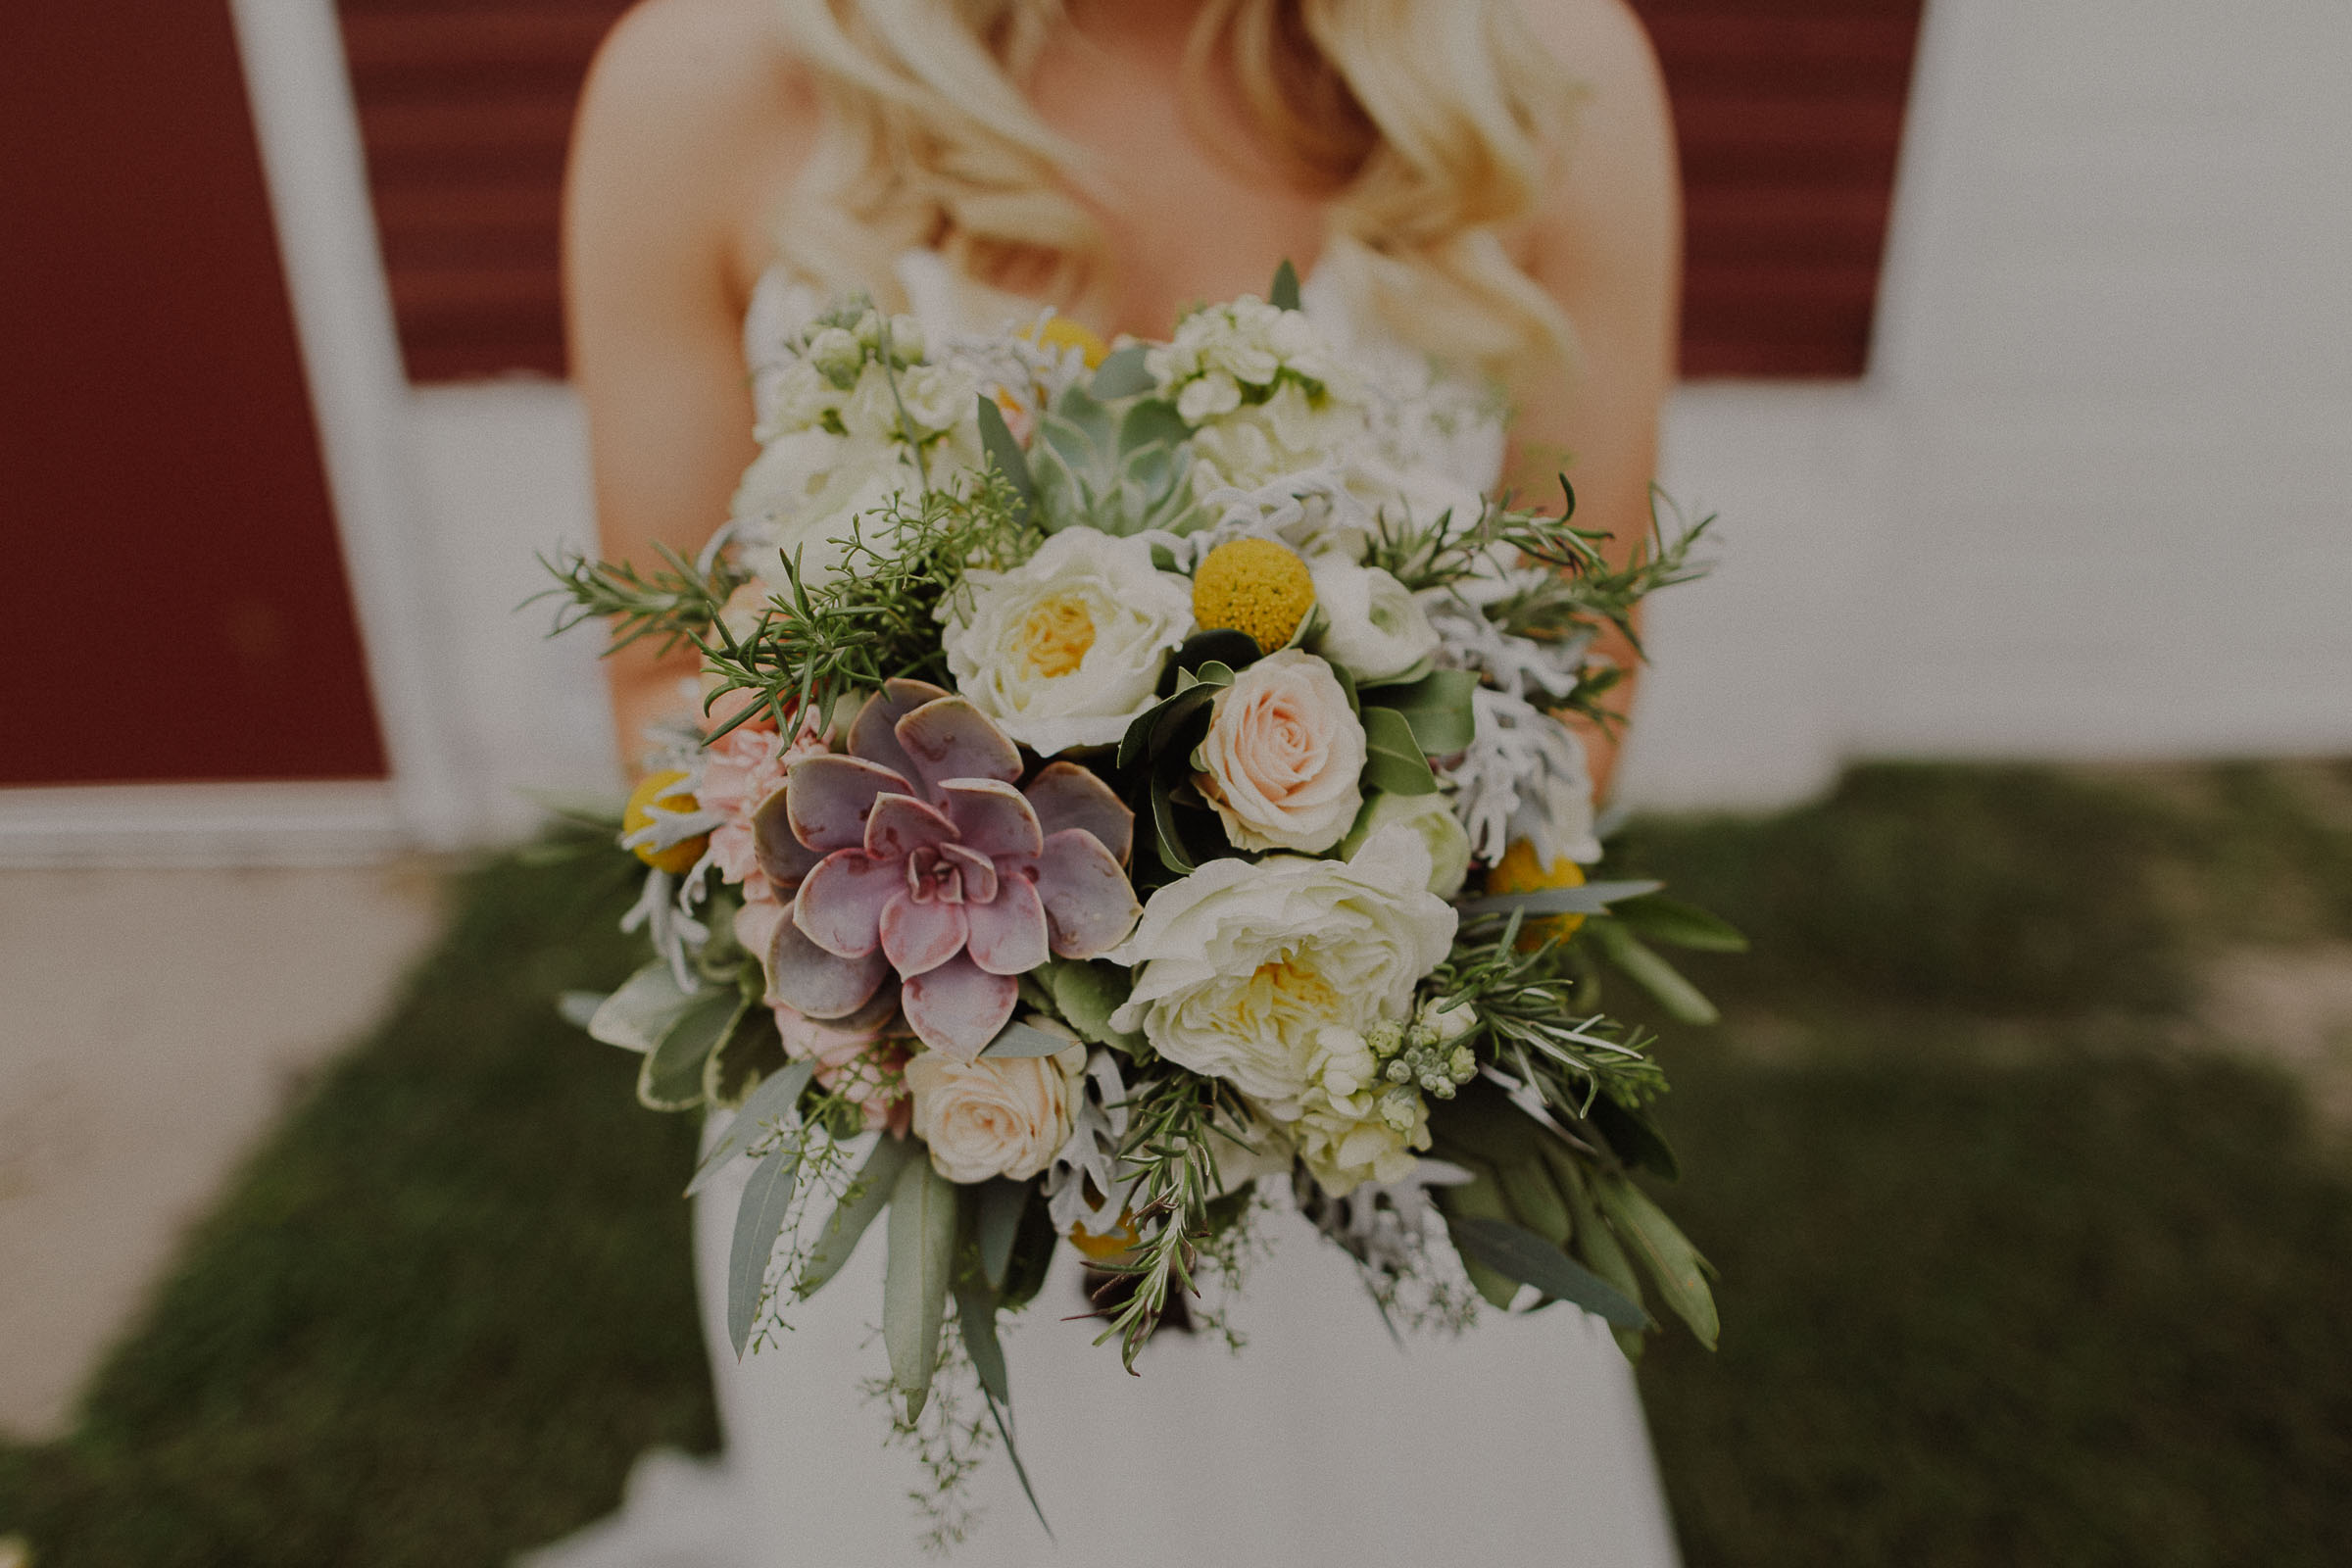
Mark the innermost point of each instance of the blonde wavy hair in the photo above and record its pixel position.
(1429, 125)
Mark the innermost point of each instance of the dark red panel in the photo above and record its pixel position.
(1788, 113)
(178, 609)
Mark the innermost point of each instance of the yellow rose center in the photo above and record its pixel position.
(1055, 635)
(1285, 987)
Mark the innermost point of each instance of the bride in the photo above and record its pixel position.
(1476, 188)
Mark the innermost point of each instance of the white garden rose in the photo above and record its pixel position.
(1283, 755)
(994, 1116)
(1374, 629)
(1429, 816)
(1066, 649)
(1241, 968)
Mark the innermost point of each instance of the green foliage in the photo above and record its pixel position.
(1997, 890)
(1168, 1152)
(676, 603)
(1120, 469)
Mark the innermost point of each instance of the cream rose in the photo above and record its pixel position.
(1240, 968)
(1066, 649)
(1431, 818)
(1374, 629)
(994, 1116)
(1283, 755)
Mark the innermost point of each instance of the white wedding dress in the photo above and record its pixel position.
(1325, 1444)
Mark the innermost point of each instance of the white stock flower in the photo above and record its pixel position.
(1283, 755)
(1374, 628)
(1066, 649)
(994, 1116)
(1440, 832)
(1241, 968)
(1353, 1127)
(804, 496)
(938, 398)
(1258, 443)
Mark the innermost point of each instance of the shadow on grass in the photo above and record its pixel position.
(436, 1316)
(2015, 1272)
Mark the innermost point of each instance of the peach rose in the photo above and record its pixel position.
(994, 1116)
(1283, 755)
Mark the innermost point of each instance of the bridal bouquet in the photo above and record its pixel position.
(1132, 791)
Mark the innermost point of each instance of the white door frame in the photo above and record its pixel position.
(298, 81)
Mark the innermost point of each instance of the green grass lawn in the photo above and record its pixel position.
(2020, 1265)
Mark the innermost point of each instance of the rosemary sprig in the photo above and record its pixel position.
(1171, 1121)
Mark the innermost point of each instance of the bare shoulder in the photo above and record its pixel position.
(1618, 175)
(696, 113)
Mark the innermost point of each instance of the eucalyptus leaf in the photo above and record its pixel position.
(1481, 1197)
(1393, 761)
(1019, 1039)
(1683, 925)
(1664, 1252)
(1284, 295)
(1678, 997)
(1635, 1140)
(752, 1054)
(1592, 898)
(996, 439)
(976, 1317)
(1123, 374)
(999, 1204)
(644, 1009)
(671, 1078)
(758, 1221)
(1436, 708)
(1520, 1254)
(1597, 1246)
(869, 1192)
(1166, 837)
(1087, 992)
(768, 1108)
(1536, 1203)
(914, 1282)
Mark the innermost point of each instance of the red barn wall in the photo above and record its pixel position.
(1788, 112)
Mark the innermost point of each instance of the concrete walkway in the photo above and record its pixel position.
(152, 1025)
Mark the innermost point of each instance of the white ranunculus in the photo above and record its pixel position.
(1066, 649)
(1284, 756)
(1240, 968)
(806, 494)
(1373, 627)
(1431, 818)
(994, 1116)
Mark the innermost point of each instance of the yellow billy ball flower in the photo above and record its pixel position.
(679, 856)
(1064, 333)
(1519, 871)
(1257, 586)
(1111, 1244)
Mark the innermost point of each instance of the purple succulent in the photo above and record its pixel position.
(915, 854)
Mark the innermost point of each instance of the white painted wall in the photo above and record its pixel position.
(2095, 497)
